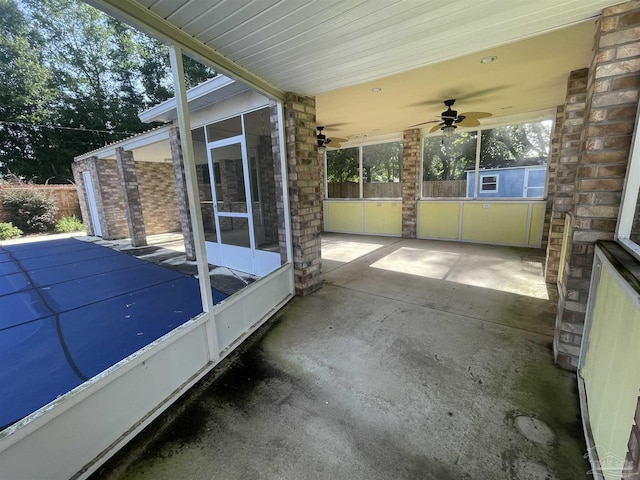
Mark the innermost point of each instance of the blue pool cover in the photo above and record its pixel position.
(70, 309)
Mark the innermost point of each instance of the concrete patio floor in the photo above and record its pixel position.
(417, 360)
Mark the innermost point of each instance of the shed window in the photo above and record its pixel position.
(488, 183)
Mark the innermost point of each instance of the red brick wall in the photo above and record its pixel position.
(304, 191)
(157, 187)
(410, 182)
(612, 101)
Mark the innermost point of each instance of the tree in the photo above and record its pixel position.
(25, 90)
(85, 77)
(343, 165)
(515, 145)
(448, 158)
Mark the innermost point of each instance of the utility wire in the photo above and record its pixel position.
(59, 127)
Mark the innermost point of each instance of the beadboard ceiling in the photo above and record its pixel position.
(419, 52)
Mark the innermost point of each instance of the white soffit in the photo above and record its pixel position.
(309, 47)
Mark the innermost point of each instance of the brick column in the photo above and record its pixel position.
(612, 101)
(410, 185)
(570, 122)
(552, 170)
(181, 190)
(131, 194)
(304, 191)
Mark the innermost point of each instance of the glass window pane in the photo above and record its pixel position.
(382, 170)
(224, 129)
(445, 163)
(229, 178)
(234, 231)
(343, 177)
(517, 156)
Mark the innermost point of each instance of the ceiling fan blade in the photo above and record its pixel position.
(469, 122)
(477, 114)
(339, 140)
(332, 125)
(436, 128)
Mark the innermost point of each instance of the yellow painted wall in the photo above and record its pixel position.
(537, 223)
(499, 223)
(612, 369)
(383, 218)
(439, 220)
(343, 217)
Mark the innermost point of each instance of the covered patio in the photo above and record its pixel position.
(437, 366)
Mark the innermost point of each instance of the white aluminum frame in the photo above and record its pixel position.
(76, 433)
(630, 195)
(91, 203)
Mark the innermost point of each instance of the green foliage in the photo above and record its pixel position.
(69, 224)
(29, 209)
(343, 165)
(8, 231)
(510, 146)
(73, 80)
(382, 162)
(448, 158)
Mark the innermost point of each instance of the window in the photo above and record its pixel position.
(343, 175)
(445, 162)
(369, 171)
(382, 170)
(488, 183)
(503, 162)
(628, 229)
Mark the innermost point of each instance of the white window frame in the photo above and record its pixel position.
(487, 175)
(387, 139)
(630, 196)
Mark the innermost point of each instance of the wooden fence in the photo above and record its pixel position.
(444, 188)
(369, 190)
(64, 196)
(439, 188)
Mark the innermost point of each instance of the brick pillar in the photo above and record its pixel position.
(571, 125)
(612, 101)
(552, 170)
(131, 194)
(181, 190)
(304, 191)
(410, 185)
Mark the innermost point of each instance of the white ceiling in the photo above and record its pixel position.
(332, 48)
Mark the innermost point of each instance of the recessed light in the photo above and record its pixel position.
(376, 89)
(489, 59)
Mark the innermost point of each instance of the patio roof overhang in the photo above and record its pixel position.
(418, 52)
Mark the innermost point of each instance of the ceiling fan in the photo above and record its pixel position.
(450, 120)
(324, 141)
